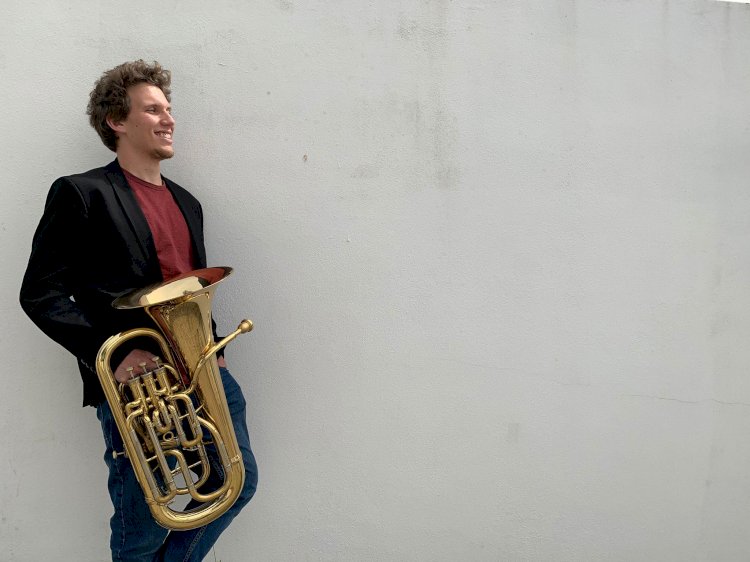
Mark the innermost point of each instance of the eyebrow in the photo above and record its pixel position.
(157, 104)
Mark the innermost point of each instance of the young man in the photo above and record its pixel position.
(106, 232)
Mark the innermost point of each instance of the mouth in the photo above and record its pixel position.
(166, 135)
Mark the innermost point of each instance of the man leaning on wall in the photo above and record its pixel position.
(106, 232)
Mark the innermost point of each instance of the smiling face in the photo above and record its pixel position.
(147, 130)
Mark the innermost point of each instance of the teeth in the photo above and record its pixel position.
(165, 135)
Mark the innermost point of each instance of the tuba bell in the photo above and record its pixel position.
(169, 414)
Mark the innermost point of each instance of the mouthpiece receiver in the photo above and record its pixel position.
(244, 327)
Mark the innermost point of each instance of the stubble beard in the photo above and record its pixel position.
(163, 153)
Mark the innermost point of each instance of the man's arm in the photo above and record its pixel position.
(54, 269)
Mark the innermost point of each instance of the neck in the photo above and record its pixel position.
(149, 170)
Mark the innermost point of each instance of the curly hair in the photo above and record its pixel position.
(109, 98)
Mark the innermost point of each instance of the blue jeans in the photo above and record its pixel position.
(136, 537)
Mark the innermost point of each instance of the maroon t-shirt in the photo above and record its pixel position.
(168, 227)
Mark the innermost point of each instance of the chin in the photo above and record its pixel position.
(163, 153)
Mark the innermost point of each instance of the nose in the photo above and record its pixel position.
(167, 118)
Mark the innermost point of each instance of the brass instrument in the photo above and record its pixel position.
(167, 415)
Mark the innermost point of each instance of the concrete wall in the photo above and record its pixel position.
(497, 253)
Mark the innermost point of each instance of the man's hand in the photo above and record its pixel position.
(138, 356)
(134, 359)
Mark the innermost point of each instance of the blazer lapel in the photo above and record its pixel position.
(135, 217)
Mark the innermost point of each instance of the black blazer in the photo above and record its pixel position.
(93, 244)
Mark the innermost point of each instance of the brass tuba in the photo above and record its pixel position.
(169, 413)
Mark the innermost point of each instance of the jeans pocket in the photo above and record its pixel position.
(233, 392)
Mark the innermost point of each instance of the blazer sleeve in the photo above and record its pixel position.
(219, 353)
(54, 269)
(201, 264)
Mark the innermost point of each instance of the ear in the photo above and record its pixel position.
(116, 126)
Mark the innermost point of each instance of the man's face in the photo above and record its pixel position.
(147, 130)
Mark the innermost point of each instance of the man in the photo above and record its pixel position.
(106, 232)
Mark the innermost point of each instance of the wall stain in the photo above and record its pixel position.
(514, 430)
(434, 123)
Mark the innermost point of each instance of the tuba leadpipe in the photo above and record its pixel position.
(171, 414)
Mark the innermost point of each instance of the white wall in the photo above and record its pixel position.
(497, 253)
